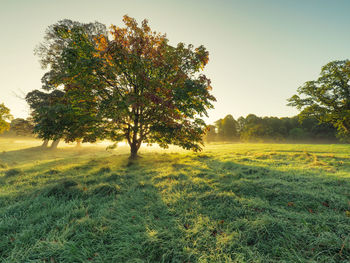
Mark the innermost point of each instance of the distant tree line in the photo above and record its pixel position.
(271, 129)
(324, 106)
(249, 129)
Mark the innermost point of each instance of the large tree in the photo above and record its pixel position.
(328, 97)
(5, 118)
(142, 88)
(62, 110)
(49, 113)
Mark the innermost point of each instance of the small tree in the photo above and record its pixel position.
(64, 111)
(328, 98)
(5, 118)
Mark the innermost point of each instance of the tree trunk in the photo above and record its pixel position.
(45, 144)
(55, 143)
(78, 144)
(133, 151)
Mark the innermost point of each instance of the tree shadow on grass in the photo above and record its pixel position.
(177, 208)
(262, 213)
(118, 218)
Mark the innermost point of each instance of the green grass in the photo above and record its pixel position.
(230, 203)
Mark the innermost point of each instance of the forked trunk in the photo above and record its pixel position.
(45, 144)
(78, 144)
(55, 144)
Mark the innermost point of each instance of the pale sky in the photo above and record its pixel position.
(260, 51)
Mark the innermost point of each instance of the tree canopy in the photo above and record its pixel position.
(127, 83)
(328, 98)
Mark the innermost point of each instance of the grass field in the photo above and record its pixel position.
(230, 203)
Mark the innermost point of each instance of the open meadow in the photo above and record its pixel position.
(229, 203)
(175, 131)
